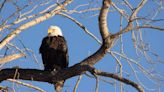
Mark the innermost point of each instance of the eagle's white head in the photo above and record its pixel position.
(54, 31)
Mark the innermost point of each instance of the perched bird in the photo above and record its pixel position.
(54, 52)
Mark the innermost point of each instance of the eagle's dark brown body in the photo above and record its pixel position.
(54, 53)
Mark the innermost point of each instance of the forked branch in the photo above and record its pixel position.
(39, 75)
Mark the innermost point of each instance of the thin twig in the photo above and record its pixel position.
(129, 82)
(82, 26)
(27, 85)
(150, 26)
(11, 58)
(97, 83)
(77, 83)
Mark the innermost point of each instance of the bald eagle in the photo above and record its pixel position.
(54, 53)
(54, 50)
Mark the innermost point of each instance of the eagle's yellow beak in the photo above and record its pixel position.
(49, 31)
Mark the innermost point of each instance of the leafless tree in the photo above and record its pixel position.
(28, 13)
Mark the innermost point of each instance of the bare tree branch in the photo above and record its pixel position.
(25, 84)
(39, 75)
(107, 40)
(82, 26)
(124, 80)
(97, 83)
(129, 27)
(11, 58)
(151, 27)
(77, 83)
(2, 5)
(23, 17)
(128, 4)
(3, 89)
(142, 3)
